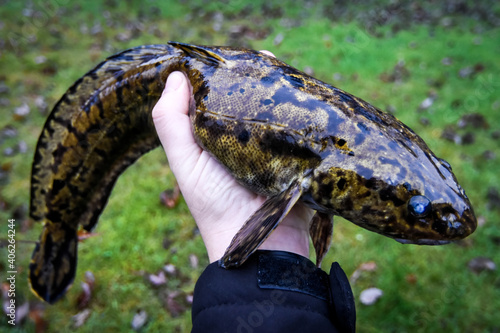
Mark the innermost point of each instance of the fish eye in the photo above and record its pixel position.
(419, 206)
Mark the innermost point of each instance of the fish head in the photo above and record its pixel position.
(392, 183)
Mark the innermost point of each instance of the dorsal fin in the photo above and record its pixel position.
(201, 53)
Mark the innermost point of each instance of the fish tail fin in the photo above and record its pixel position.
(53, 264)
(98, 128)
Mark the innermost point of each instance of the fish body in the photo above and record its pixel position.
(278, 131)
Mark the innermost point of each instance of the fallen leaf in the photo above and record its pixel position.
(22, 312)
(167, 243)
(468, 138)
(139, 320)
(218, 19)
(465, 72)
(449, 133)
(96, 29)
(7, 167)
(370, 296)
(157, 280)
(80, 318)
(176, 303)
(189, 299)
(480, 264)
(424, 121)
(398, 74)
(368, 266)
(481, 221)
(41, 104)
(170, 269)
(278, 39)
(9, 152)
(474, 120)
(124, 36)
(193, 261)
(447, 61)
(84, 298)
(4, 89)
(309, 70)
(411, 278)
(21, 112)
(337, 77)
(427, 103)
(22, 147)
(170, 197)
(489, 155)
(20, 213)
(36, 315)
(8, 132)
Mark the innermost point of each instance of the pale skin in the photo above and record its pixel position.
(219, 205)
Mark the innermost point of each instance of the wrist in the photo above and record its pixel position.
(289, 240)
(291, 235)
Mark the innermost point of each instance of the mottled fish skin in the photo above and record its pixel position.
(99, 127)
(269, 124)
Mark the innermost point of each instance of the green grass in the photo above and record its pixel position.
(426, 289)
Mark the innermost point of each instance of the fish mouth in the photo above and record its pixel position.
(423, 241)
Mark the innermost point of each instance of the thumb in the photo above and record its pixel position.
(172, 123)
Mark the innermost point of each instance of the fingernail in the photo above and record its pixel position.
(174, 81)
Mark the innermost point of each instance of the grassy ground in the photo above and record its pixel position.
(393, 54)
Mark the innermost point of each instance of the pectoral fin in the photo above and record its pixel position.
(321, 231)
(259, 226)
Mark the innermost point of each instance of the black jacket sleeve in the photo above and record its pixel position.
(273, 291)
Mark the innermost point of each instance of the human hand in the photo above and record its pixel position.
(219, 205)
